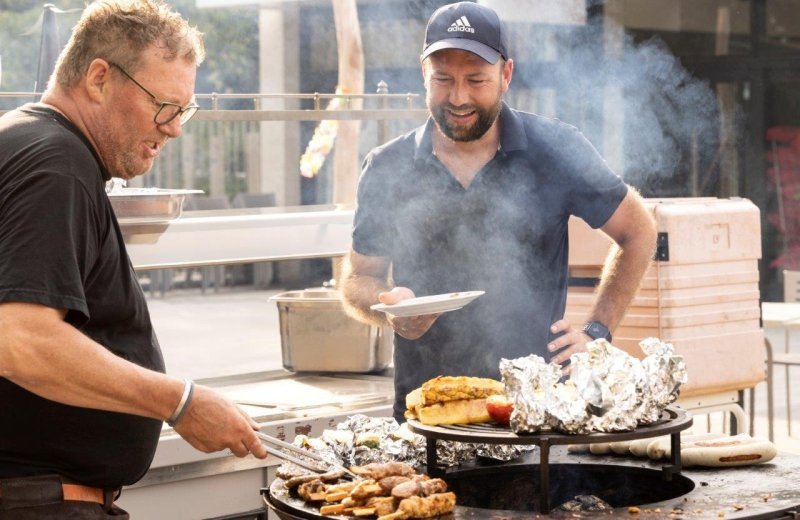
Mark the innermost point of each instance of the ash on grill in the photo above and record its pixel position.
(582, 503)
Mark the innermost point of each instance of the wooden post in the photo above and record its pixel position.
(187, 160)
(726, 98)
(252, 161)
(351, 81)
(216, 181)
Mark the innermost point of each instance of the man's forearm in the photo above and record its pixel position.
(359, 293)
(622, 275)
(56, 361)
(360, 283)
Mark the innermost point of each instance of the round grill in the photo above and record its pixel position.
(672, 422)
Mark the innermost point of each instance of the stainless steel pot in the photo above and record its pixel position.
(318, 336)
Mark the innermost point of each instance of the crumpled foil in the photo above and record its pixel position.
(608, 378)
(360, 440)
(115, 184)
(665, 372)
(608, 390)
(527, 380)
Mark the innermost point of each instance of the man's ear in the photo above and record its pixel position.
(97, 79)
(508, 71)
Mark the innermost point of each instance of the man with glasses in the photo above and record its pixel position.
(82, 386)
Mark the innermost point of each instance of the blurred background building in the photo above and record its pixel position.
(683, 98)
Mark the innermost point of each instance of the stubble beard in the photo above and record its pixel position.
(486, 118)
(120, 159)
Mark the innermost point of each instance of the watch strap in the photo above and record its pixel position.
(597, 330)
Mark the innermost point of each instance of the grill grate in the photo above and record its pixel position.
(672, 422)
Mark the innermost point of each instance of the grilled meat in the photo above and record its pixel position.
(366, 489)
(378, 471)
(382, 505)
(288, 470)
(329, 476)
(311, 491)
(426, 507)
(419, 487)
(388, 483)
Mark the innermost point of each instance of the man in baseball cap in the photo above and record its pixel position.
(478, 198)
(467, 26)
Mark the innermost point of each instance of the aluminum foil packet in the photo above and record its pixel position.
(361, 439)
(454, 453)
(527, 380)
(608, 379)
(608, 390)
(665, 372)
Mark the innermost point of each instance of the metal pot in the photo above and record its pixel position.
(318, 336)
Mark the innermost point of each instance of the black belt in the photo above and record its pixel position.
(49, 489)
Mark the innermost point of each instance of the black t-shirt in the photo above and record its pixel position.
(61, 246)
(505, 234)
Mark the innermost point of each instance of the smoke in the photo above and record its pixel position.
(634, 100)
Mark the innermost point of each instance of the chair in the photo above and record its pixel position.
(787, 359)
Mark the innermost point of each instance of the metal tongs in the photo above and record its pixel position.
(279, 448)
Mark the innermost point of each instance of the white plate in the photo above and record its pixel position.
(428, 304)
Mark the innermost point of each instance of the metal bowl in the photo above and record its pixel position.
(318, 336)
(148, 205)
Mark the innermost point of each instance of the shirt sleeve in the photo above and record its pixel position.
(372, 225)
(47, 242)
(595, 190)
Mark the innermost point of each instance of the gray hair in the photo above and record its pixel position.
(119, 31)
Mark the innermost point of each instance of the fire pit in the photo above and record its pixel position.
(634, 488)
(672, 422)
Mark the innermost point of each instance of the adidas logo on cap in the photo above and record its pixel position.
(461, 25)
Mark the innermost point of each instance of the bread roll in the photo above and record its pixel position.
(733, 451)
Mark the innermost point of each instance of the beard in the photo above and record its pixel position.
(486, 118)
(120, 157)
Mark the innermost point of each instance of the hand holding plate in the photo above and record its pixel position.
(411, 327)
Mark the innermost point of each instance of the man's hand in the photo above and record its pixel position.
(570, 342)
(411, 327)
(213, 422)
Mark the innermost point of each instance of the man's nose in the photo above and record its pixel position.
(459, 94)
(172, 128)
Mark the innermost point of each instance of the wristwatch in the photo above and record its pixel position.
(596, 330)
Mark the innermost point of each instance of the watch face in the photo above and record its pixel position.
(597, 330)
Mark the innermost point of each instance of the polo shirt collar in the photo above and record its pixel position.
(512, 135)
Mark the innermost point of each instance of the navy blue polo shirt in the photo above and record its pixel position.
(505, 234)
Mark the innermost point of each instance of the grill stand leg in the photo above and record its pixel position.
(675, 458)
(544, 478)
(430, 458)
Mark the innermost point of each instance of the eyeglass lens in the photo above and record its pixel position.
(168, 112)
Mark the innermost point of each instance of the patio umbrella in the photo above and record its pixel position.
(48, 48)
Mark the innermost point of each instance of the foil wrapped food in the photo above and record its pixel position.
(360, 440)
(608, 390)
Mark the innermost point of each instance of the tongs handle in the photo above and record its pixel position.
(278, 452)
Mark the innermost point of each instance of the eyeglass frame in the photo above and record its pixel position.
(191, 108)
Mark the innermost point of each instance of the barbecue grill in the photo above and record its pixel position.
(550, 476)
(672, 422)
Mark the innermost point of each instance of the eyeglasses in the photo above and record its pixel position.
(166, 111)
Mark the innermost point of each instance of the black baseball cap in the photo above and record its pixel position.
(467, 26)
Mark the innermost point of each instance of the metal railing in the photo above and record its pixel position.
(384, 107)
